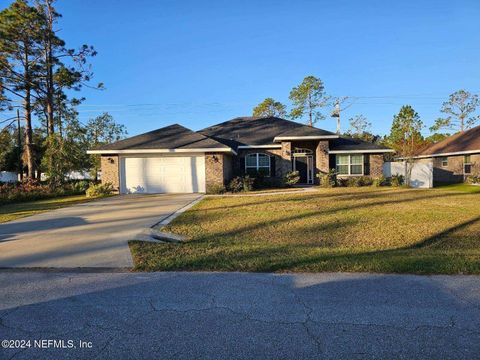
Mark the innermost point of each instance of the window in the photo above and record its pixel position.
(356, 165)
(342, 164)
(467, 165)
(349, 164)
(257, 164)
(444, 161)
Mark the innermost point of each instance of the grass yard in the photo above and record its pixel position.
(9, 212)
(342, 229)
(473, 189)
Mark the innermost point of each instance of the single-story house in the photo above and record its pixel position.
(455, 157)
(177, 159)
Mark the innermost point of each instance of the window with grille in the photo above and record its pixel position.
(349, 164)
(257, 164)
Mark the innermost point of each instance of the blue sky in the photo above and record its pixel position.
(198, 63)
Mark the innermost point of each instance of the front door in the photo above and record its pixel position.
(304, 166)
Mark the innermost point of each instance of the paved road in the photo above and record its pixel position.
(92, 234)
(242, 316)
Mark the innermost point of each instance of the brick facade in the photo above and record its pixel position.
(453, 172)
(475, 159)
(110, 170)
(218, 169)
(376, 165)
(322, 157)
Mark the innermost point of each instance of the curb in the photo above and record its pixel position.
(173, 215)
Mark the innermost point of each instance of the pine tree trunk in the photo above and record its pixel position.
(28, 135)
(49, 66)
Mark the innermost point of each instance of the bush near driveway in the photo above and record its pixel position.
(31, 190)
(97, 190)
(339, 229)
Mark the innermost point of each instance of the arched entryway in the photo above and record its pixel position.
(303, 163)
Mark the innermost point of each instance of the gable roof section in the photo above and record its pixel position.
(173, 138)
(261, 131)
(462, 142)
(348, 144)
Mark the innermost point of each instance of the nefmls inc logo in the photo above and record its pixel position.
(56, 344)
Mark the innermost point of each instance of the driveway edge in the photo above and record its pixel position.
(173, 215)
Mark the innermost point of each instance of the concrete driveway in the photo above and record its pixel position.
(241, 316)
(93, 234)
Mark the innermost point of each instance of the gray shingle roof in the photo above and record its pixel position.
(258, 131)
(231, 134)
(348, 144)
(169, 137)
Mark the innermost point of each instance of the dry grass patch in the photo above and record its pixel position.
(343, 229)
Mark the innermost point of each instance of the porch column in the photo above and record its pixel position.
(286, 158)
(322, 161)
(376, 165)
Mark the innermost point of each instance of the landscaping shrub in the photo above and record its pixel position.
(248, 183)
(241, 183)
(328, 180)
(291, 178)
(342, 182)
(215, 189)
(381, 181)
(80, 186)
(472, 179)
(261, 179)
(236, 184)
(359, 181)
(96, 190)
(31, 189)
(397, 180)
(353, 182)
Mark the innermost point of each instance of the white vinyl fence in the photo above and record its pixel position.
(8, 176)
(421, 175)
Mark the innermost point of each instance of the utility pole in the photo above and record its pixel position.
(336, 114)
(19, 135)
(338, 101)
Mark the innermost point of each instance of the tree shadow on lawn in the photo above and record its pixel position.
(339, 197)
(200, 217)
(305, 257)
(296, 255)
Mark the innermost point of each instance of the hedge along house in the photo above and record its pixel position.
(454, 158)
(176, 159)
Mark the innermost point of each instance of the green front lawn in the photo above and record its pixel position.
(460, 187)
(9, 212)
(342, 229)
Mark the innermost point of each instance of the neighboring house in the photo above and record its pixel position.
(176, 159)
(455, 157)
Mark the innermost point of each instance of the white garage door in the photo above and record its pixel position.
(163, 174)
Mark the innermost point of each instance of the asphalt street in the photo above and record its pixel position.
(238, 316)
